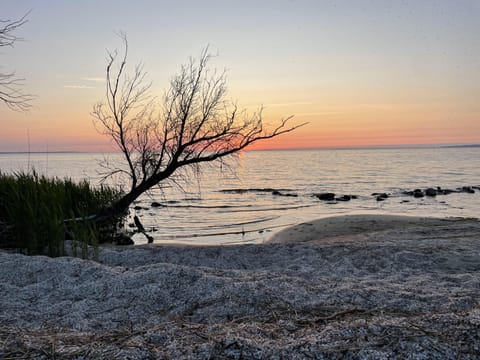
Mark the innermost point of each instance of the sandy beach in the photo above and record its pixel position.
(359, 286)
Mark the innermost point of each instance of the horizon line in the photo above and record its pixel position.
(353, 147)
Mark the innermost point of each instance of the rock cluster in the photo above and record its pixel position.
(279, 193)
(381, 196)
(123, 239)
(431, 192)
(252, 190)
(332, 197)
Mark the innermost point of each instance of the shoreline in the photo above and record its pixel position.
(395, 286)
(337, 227)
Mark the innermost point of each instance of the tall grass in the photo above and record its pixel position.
(33, 210)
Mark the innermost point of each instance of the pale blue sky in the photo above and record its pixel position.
(348, 67)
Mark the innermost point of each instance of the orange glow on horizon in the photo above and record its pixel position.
(341, 124)
(360, 73)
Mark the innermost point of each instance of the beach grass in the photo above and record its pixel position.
(33, 210)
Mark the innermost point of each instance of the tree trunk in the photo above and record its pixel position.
(120, 207)
(111, 215)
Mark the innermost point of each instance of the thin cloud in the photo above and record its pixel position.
(78, 87)
(95, 79)
(289, 104)
(322, 113)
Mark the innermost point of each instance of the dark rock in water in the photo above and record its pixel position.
(467, 189)
(431, 192)
(441, 191)
(138, 207)
(344, 198)
(405, 201)
(155, 204)
(259, 190)
(325, 196)
(418, 193)
(381, 196)
(123, 239)
(354, 196)
(476, 187)
(234, 191)
(278, 193)
(408, 193)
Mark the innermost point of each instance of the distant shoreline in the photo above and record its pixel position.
(376, 147)
(373, 147)
(41, 152)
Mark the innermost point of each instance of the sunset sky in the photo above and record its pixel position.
(360, 72)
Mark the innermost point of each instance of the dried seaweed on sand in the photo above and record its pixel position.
(403, 292)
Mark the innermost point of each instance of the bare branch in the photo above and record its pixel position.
(7, 28)
(11, 93)
(194, 125)
(125, 118)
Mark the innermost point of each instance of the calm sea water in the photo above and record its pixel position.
(235, 205)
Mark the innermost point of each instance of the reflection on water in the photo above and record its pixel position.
(236, 204)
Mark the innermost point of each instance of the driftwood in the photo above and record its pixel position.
(141, 229)
(106, 227)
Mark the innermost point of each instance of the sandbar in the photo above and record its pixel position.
(347, 226)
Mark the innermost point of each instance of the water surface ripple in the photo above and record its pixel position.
(266, 190)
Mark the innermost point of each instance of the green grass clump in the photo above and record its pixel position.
(33, 210)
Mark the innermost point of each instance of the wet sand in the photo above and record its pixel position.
(347, 227)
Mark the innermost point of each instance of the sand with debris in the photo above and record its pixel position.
(351, 287)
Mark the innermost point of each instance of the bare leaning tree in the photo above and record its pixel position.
(193, 124)
(11, 87)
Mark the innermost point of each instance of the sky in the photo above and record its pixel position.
(360, 72)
